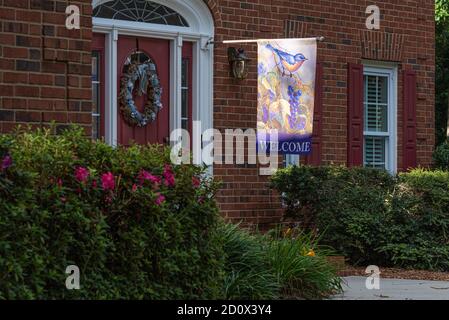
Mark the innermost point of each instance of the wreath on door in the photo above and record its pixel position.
(148, 84)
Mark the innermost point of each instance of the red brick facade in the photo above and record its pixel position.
(45, 69)
(45, 73)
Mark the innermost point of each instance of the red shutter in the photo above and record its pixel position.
(315, 157)
(409, 145)
(355, 115)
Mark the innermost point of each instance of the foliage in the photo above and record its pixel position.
(248, 274)
(270, 266)
(442, 69)
(301, 267)
(441, 156)
(426, 219)
(441, 10)
(370, 216)
(136, 227)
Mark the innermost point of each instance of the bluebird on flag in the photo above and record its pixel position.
(286, 95)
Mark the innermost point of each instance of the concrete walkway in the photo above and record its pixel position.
(394, 289)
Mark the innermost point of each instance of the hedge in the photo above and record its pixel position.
(371, 216)
(136, 226)
(441, 156)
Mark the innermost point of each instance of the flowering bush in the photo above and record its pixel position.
(135, 225)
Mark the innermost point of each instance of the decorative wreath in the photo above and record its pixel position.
(149, 84)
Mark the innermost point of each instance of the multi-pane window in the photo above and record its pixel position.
(141, 11)
(291, 160)
(378, 115)
(96, 134)
(185, 95)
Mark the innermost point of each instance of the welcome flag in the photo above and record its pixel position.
(286, 95)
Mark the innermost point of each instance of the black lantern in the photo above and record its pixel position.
(238, 62)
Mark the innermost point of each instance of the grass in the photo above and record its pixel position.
(248, 273)
(301, 268)
(273, 266)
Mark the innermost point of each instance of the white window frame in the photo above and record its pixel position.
(200, 31)
(96, 115)
(291, 160)
(391, 143)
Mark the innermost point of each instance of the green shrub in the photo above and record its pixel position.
(424, 196)
(371, 216)
(441, 156)
(345, 204)
(134, 234)
(270, 267)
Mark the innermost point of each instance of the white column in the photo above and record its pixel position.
(204, 92)
(175, 82)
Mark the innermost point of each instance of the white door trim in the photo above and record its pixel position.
(200, 30)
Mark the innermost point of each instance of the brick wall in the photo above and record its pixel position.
(45, 73)
(45, 69)
(342, 23)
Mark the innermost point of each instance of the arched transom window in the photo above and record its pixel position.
(140, 11)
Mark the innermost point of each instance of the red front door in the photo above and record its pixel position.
(158, 51)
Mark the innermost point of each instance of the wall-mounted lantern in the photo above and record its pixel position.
(238, 62)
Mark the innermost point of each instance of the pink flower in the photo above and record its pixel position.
(146, 176)
(196, 182)
(160, 199)
(108, 181)
(6, 162)
(82, 174)
(59, 182)
(169, 176)
(134, 189)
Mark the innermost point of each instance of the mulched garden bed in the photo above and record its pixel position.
(394, 273)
